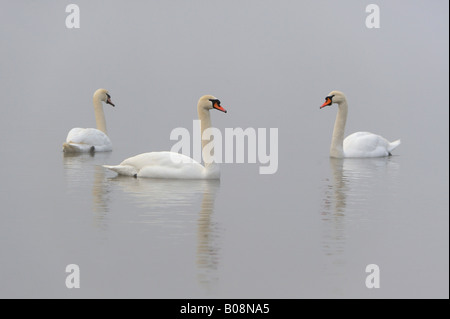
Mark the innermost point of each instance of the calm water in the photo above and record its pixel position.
(307, 231)
(303, 232)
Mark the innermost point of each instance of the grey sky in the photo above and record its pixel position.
(271, 63)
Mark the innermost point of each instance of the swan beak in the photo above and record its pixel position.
(327, 102)
(218, 107)
(108, 101)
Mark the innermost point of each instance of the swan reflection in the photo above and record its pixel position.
(172, 203)
(83, 171)
(207, 235)
(354, 183)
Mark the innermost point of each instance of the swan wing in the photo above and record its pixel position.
(88, 137)
(161, 165)
(365, 144)
(169, 159)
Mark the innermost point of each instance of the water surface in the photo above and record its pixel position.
(307, 231)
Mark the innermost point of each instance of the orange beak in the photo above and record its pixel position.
(218, 107)
(327, 102)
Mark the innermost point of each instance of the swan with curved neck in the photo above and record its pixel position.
(359, 144)
(81, 140)
(175, 165)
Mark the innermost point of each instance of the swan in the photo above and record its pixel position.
(80, 140)
(359, 144)
(175, 165)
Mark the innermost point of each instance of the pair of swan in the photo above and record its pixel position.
(175, 165)
(153, 164)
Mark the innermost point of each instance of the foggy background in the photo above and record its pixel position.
(271, 63)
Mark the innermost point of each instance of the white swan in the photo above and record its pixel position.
(175, 165)
(81, 140)
(359, 144)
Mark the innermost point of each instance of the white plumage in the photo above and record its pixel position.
(83, 139)
(365, 144)
(164, 165)
(359, 144)
(80, 140)
(175, 165)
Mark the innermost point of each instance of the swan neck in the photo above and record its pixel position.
(99, 114)
(337, 142)
(205, 123)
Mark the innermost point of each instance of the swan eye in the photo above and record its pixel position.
(215, 101)
(109, 96)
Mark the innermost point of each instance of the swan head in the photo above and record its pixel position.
(103, 96)
(333, 97)
(208, 102)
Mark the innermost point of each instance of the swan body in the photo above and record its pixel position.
(80, 140)
(165, 165)
(174, 165)
(359, 144)
(365, 144)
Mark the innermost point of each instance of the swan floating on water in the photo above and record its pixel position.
(359, 144)
(175, 165)
(82, 140)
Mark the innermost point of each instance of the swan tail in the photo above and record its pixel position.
(78, 148)
(70, 148)
(393, 145)
(126, 170)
